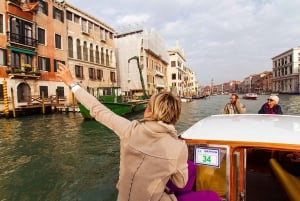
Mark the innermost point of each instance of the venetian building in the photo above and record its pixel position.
(286, 72)
(141, 52)
(190, 82)
(18, 52)
(91, 51)
(177, 79)
(52, 47)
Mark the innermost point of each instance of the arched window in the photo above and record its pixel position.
(23, 92)
(107, 58)
(110, 57)
(79, 55)
(97, 55)
(102, 56)
(91, 53)
(70, 46)
(85, 51)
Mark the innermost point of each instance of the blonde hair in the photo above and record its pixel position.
(164, 107)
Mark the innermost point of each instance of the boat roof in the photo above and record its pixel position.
(250, 128)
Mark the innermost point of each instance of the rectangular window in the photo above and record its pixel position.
(173, 63)
(90, 25)
(2, 57)
(28, 60)
(44, 64)
(58, 41)
(1, 23)
(99, 74)
(112, 76)
(60, 91)
(96, 28)
(92, 73)
(69, 15)
(15, 60)
(43, 7)
(78, 71)
(76, 18)
(44, 89)
(84, 27)
(56, 62)
(41, 36)
(58, 14)
(173, 76)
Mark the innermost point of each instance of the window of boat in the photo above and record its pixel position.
(212, 163)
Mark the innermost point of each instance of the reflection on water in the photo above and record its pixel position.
(62, 157)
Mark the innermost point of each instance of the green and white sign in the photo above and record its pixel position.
(207, 156)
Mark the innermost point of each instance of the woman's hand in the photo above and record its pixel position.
(64, 74)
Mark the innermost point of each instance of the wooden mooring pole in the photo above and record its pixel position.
(13, 102)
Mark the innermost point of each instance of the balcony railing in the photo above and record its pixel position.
(28, 72)
(17, 2)
(20, 2)
(21, 39)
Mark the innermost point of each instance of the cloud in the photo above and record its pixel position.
(132, 19)
(224, 40)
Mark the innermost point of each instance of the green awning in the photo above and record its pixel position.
(16, 49)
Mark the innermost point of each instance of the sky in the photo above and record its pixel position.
(222, 40)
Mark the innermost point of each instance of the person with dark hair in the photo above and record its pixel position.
(234, 106)
(271, 107)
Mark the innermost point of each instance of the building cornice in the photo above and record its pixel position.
(68, 5)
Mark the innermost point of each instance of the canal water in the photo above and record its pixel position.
(61, 157)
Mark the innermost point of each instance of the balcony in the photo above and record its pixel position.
(158, 85)
(85, 30)
(25, 72)
(21, 39)
(158, 73)
(17, 2)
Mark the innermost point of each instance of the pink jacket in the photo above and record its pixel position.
(150, 153)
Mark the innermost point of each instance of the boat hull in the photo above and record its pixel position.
(250, 96)
(122, 109)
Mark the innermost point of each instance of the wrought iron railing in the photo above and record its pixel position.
(21, 39)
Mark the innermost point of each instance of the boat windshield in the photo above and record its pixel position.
(212, 168)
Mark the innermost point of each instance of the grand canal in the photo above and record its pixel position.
(63, 157)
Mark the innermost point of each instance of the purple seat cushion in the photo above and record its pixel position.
(190, 183)
(199, 196)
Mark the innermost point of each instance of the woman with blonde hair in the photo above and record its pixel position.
(151, 153)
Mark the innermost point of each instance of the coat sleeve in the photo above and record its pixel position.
(262, 111)
(102, 114)
(279, 111)
(180, 177)
(225, 110)
(241, 108)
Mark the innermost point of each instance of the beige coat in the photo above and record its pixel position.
(150, 153)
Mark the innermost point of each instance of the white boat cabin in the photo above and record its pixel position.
(244, 157)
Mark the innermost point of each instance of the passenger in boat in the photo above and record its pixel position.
(271, 106)
(234, 106)
(151, 153)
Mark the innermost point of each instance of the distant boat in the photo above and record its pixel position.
(199, 97)
(123, 108)
(186, 99)
(250, 96)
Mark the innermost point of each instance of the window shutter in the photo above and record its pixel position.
(48, 64)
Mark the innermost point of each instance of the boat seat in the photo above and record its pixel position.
(289, 182)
